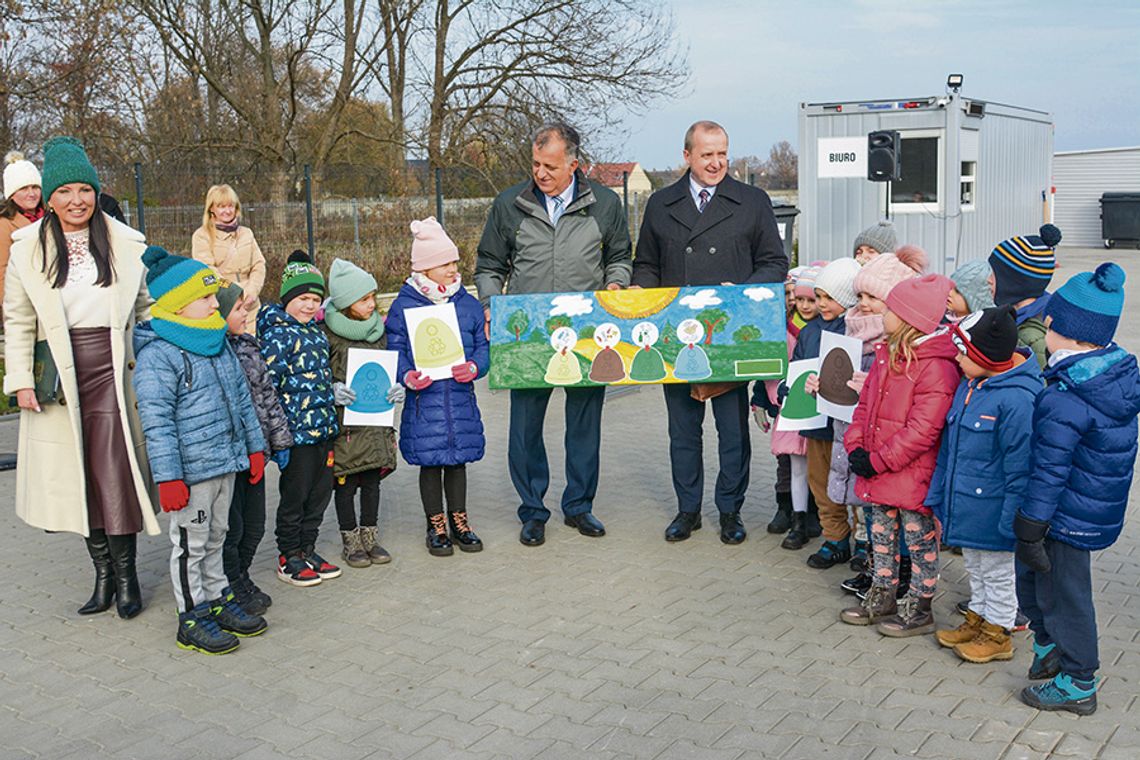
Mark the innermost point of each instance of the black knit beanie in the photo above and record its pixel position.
(990, 333)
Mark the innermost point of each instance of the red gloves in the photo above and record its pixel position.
(256, 467)
(465, 372)
(173, 495)
(415, 380)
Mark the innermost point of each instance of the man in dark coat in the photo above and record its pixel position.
(708, 229)
(554, 232)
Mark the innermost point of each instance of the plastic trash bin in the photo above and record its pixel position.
(786, 223)
(1120, 218)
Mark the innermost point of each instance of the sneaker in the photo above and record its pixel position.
(1046, 662)
(832, 553)
(244, 597)
(256, 593)
(1062, 693)
(295, 571)
(321, 566)
(199, 632)
(858, 562)
(962, 607)
(861, 582)
(230, 616)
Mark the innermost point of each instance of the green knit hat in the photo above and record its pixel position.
(228, 295)
(300, 277)
(348, 283)
(65, 161)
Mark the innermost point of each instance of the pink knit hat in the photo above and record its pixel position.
(921, 301)
(883, 272)
(805, 281)
(431, 247)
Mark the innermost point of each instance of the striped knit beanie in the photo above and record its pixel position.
(300, 277)
(1023, 265)
(1087, 307)
(174, 282)
(805, 281)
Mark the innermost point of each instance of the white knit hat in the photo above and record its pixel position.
(838, 280)
(19, 173)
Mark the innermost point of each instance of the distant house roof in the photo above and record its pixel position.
(610, 174)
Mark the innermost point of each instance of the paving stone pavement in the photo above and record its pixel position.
(622, 646)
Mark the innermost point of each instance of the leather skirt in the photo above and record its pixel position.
(112, 503)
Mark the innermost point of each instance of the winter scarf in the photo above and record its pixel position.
(205, 337)
(231, 227)
(866, 327)
(369, 330)
(435, 292)
(1035, 309)
(34, 215)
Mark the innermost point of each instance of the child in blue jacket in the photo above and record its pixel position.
(296, 352)
(1084, 450)
(982, 470)
(440, 428)
(200, 428)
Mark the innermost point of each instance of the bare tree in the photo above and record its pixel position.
(781, 168)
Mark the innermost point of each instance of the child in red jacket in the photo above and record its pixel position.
(892, 447)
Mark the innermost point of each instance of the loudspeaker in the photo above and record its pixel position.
(883, 156)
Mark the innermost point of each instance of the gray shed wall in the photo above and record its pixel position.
(1081, 177)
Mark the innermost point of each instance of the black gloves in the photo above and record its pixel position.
(1031, 543)
(860, 462)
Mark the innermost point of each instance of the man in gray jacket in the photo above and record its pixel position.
(555, 232)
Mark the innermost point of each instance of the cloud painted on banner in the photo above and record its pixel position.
(571, 306)
(759, 294)
(702, 299)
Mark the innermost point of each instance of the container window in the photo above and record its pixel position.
(969, 184)
(918, 161)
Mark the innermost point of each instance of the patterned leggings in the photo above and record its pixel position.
(921, 539)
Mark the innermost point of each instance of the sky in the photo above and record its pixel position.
(753, 62)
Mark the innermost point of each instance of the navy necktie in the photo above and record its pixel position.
(704, 196)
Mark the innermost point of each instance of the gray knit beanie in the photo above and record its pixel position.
(880, 236)
(972, 281)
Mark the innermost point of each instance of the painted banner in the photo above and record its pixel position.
(630, 337)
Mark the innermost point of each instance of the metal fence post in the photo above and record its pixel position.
(439, 195)
(625, 193)
(139, 197)
(309, 209)
(355, 229)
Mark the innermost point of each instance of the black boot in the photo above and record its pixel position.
(782, 520)
(128, 602)
(814, 529)
(104, 592)
(438, 544)
(461, 533)
(797, 536)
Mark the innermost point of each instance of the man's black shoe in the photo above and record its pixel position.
(732, 528)
(533, 533)
(683, 526)
(587, 524)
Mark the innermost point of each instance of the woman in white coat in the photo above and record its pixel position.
(76, 284)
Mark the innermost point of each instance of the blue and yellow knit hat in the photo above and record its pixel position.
(1087, 307)
(1023, 265)
(176, 281)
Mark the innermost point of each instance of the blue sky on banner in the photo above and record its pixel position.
(754, 61)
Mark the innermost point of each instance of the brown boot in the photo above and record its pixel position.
(377, 555)
(879, 605)
(914, 618)
(992, 643)
(964, 633)
(354, 555)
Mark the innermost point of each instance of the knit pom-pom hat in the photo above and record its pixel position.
(19, 173)
(175, 282)
(921, 301)
(301, 276)
(882, 273)
(1023, 265)
(1087, 307)
(838, 280)
(879, 236)
(65, 161)
(431, 247)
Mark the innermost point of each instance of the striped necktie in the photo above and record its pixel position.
(556, 212)
(704, 196)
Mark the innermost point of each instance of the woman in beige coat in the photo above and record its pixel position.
(22, 203)
(75, 281)
(224, 245)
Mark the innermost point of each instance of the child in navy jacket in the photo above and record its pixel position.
(440, 429)
(1084, 449)
(982, 470)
